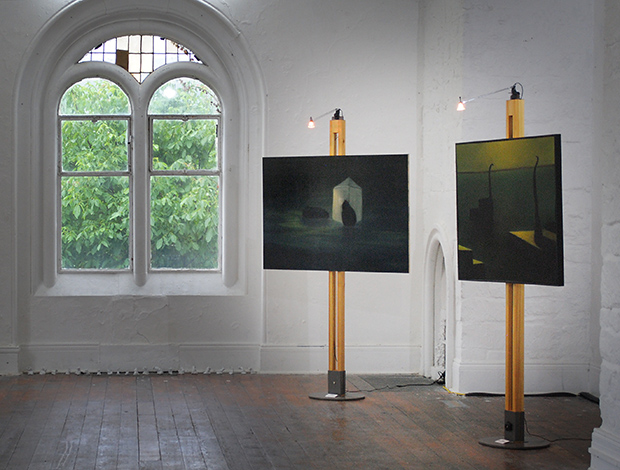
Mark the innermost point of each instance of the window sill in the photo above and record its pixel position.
(158, 284)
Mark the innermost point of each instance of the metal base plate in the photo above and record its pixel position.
(348, 396)
(530, 443)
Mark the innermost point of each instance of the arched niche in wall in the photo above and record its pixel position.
(438, 345)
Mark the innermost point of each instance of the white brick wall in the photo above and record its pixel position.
(605, 448)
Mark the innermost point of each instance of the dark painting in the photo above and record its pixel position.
(509, 211)
(336, 213)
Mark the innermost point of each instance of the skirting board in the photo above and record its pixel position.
(220, 356)
(9, 356)
(539, 378)
(358, 359)
(114, 357)
(61, 357)
(266, 359)
(605, 450)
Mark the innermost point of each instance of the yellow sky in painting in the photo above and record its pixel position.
(507, 154)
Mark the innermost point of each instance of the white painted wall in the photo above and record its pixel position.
(309, 58)
(440, 49)
(548, 47)
(605, 448)
(475, 47)
(167, 326)
(396, 68)
(363, 60)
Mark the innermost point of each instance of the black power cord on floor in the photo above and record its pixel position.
(584, 395)
(439, 380)
(555, 440)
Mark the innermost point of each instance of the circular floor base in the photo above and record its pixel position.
(530, 443)
(348, 396)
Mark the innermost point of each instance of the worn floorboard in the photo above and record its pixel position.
(254, 421)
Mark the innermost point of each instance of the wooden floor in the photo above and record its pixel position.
(267, 421)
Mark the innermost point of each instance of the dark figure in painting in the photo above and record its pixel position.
(349, 219)
(482, 215)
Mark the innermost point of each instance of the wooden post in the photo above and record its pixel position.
(514, 413)
(515, 316)
(332, 320)
(336, 375)
(515, 126)
(514, 422)
(337, 135)
(340, 325)
(337, 132)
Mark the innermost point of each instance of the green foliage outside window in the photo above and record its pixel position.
(94, 96)
(95, 222)
(94, 146)
(184, 222)
(95, 209)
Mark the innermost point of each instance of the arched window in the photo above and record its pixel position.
(166, 223)
(94, 176)
(184, 119)
(108, 164)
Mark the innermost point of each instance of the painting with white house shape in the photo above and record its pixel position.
(345, 213)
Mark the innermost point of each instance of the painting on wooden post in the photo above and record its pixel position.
(509, 211)
(336, 213)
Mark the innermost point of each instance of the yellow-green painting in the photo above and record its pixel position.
(509, 211)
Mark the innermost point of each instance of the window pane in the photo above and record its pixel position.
(134, 44)
(158, 60)
(134, 63)
(184, 96)
(159, 45)
(95, 222)
(128, 52)
(109, 46)
(184, 145)
(185, 222)
(122, 43)
(147, 63)
(94, 96)
(94, 146)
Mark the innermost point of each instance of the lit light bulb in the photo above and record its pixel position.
(461, 105)
(311, 124)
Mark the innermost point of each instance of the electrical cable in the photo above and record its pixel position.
(534, 395)
(441, 380)
(583, 395)
(413, 384)
(554, 440)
